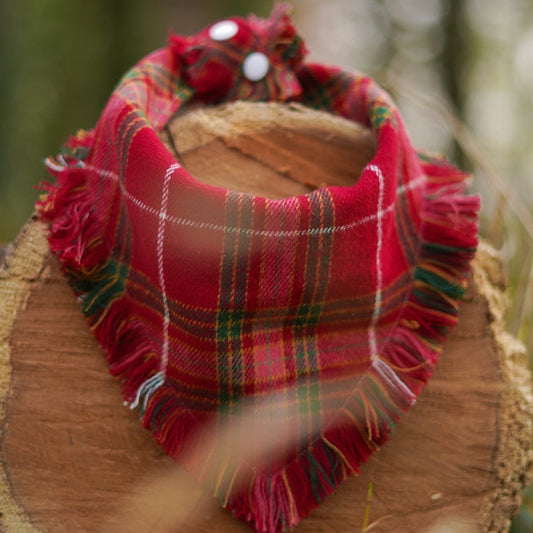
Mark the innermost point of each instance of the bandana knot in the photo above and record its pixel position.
(253, 59)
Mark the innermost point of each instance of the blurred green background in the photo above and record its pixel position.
(59, 61)
(460, 70)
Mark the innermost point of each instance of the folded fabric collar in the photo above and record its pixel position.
(203, 297)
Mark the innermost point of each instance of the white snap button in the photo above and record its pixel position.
(255, 66)
(223, 30)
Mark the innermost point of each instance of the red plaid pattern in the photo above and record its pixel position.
(334, 305)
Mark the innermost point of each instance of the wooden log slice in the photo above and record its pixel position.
(75, 459)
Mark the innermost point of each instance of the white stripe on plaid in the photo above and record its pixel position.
(402, 189)
(379, 274)
(160, 262)
(147, 388)
(385, 371)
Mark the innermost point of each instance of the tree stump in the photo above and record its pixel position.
(73, 455)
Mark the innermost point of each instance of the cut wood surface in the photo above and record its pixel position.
(74, 459)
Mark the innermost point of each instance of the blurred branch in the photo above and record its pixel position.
(243, 443)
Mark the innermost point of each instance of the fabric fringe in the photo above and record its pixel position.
(78, 239)
(275, 502)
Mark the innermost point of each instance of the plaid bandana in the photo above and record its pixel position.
(203, 297)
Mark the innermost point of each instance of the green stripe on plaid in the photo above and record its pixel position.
(317, 273)
(233, 287)
(98, 294)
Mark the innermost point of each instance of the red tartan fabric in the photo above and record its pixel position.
(335, 303)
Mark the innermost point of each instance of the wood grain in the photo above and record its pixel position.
(75, 459)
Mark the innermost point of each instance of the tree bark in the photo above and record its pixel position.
(73, 456)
